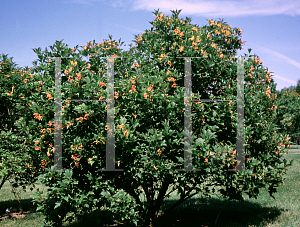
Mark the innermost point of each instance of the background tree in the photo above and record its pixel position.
(288, 112)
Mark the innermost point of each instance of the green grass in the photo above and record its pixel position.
(22, 201)
(284, 211)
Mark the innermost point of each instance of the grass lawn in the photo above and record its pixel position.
(284, 211)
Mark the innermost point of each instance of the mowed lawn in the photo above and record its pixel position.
(284, 211)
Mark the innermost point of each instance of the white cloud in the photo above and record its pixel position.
(215, 8)
(283, 59)
(281, 56)
(212, 8)
(85, 2)
(128, 28)
(285, 79)
(114, 3)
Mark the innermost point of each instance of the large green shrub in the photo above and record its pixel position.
(149, 126)
(17, 163)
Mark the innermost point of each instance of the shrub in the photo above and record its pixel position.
(149, 120)
(17, 161)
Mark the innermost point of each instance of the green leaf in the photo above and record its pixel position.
(105, 194)
(87, 79)
(144, 157)
(57, 204)
(199, 141)
(68, 173)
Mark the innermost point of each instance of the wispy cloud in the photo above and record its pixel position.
(285, 79)
(114, 3)
(212, 8)
(128, 28)
(215, 8)
(281, 56)
(85, 2)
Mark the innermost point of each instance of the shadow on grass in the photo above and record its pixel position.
(194, 212)
(200, 212)
(99, 218)
(204, 212)
(18, 209)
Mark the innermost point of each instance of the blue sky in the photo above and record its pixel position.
(271, 28)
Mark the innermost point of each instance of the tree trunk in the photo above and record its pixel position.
(151, 214)
(162, 193)
(148, 215)
(4, 179)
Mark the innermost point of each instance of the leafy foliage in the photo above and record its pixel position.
(17, 160)
(288, 112)
(149, 122)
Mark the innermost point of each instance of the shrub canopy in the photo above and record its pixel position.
(149, 122)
